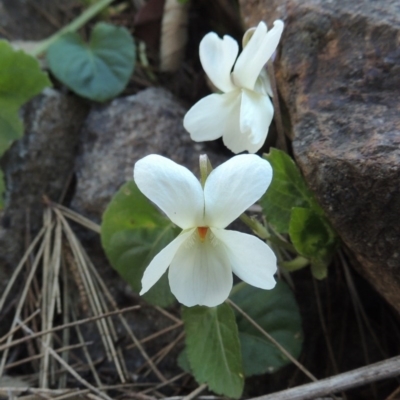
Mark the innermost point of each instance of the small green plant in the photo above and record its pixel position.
(20, 79)
(98, 70)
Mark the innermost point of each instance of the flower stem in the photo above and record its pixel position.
(256, 227)
(297, 263)
(73, 26)
(262, 233)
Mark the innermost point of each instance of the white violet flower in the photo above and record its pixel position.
(201, 259)
(243, 113)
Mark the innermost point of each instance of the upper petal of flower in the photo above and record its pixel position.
(256, 113)
(217, 57)
(213, 116)
(171, 187)
(257, 52)
(200, 273)
(162, 260)
(233, 187)
(250, 258)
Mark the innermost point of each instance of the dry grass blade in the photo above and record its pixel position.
(21, 303)
(134, 339)
(271, 339)
(357, 303)
(25, 360)
(51, 269)
(166, 383)
(93, 295)
(20, 266)
(60, 210)
(196, 392)
(81, 220)
(86, 352)
(69, 325)
(324, 327)
(68, 368)
(156, 335)
(165, 351)
(17, 328)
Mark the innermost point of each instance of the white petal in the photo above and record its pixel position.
(217, 57)
(171, 187)
(200, 273)
(213, 116)
(247, 36)
(263, 84)
(251, 259)
(257, 52)
(233, 187)
(256, 113)
(162, 260)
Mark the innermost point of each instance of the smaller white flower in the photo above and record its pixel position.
(243, 113)
(201, 259)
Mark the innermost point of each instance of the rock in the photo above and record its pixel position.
(41, 163)
(338, 72)
(118, 134)
(32, 20)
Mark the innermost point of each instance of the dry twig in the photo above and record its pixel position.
(348, 380)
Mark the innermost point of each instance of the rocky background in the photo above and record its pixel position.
(338, 76)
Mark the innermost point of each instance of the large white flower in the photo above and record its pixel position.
(243, 113)
(201, 259)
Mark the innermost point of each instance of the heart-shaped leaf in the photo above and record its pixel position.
(277, 313)
(132, 232)
(99, 70)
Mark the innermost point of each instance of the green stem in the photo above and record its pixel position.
(73, 26)
(262, 233)
(256, 227)
(281, 243)
(293, 265)
(236, 288)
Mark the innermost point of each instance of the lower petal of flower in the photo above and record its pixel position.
(162, 260)
(200, 273)
(250, 258)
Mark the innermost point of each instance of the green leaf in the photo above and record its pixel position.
(287, 190)
(313, 238)
(2, 190)
(133, 231)
(99, 70)
(20, 80)
(183, 362)
(213, 348)
(319, 270)
(277, 313)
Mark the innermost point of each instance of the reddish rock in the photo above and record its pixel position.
(338, 72)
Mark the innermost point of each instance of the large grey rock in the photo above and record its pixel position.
(38, 164)
(118, 134)
(338, 72)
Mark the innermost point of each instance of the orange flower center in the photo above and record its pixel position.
(202, 232)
